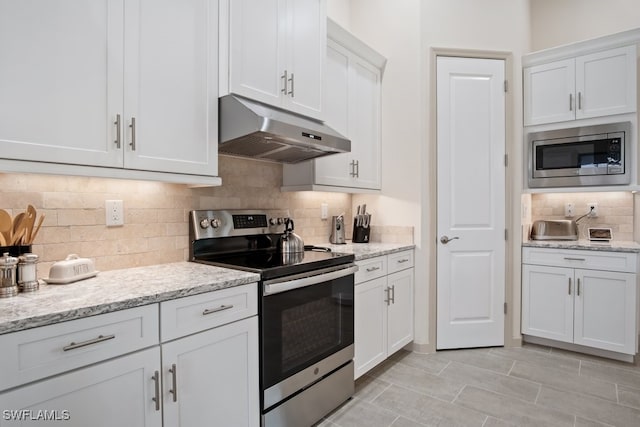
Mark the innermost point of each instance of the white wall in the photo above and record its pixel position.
(404, 31)
(558, 22)
(340, 11)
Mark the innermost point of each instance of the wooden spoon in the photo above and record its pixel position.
(30, 219)
(18, 229)
(35, 232)
(6, 227)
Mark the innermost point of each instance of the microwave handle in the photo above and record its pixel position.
(271, 288)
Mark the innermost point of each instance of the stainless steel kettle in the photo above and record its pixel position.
(290, 242)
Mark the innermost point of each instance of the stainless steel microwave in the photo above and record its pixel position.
(581, 156)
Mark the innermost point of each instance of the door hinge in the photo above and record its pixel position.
(506, 234)
(505, 308)
(506, 86)
(506, 160)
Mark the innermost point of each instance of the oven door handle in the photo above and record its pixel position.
(276, 288)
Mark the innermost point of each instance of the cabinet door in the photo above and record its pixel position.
(257, 55)
(549, 92)
(547, 302)
(119, 392)
(400, 311)
(306, 49)
(605, 310)
(370, 324)
(171, 86)
(61, 80)
(334, 169)
(606, 83)
(365, 124)
(216, 377)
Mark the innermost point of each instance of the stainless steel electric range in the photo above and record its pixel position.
(305, 311)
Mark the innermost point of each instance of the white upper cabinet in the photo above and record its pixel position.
(128, 86)
(274, 52)
(352, 92)
(593, 85)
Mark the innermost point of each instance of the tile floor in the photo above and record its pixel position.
(528, 386)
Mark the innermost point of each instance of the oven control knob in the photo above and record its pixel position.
(280, 221)
(272, 221)
(204, 223)
(215, 223)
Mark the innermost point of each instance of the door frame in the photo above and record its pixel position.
(512, 336)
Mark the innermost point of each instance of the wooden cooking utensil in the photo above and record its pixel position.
(35, 232)
(18, 229)
(6, 226)
(3, 242)
(30, 219)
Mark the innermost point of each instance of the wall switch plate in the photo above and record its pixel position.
(324, 211)
(114, 212)
(568, 210)
(593, 209)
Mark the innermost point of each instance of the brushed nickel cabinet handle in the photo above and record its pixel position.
(393, 294)
(156, 398)
(216, 310)
(579, 100)
(133, 134)
(574, 259)
(388, 292)
(372, 269)
(292, 81)
(357, 168)
(569, 288)
(174, 382)
(402, 261)
(578, 293)
(570, 102)
(284, 82)
(101, 338)
(118, 134)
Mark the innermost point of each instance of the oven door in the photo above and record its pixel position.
(306, 330)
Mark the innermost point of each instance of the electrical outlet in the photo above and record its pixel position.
(568, 210)
(114, 211)
(593, 209)
(324, 211)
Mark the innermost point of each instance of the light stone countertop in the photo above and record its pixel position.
(368, 250)
(614, 246)
(115, 290)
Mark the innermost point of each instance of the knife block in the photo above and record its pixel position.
(360, 234)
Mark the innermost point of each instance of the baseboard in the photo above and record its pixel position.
(580, 349)
(421, 348)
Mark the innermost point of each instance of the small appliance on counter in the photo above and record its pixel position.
(602, 235)
(557, 229)
(361, 229)
(337, 236)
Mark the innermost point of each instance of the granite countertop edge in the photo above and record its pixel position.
(363, 251)
(614, 246)
(115, 290)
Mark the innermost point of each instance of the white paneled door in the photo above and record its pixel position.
(471, 202)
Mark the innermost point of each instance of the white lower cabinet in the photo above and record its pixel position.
(111, 369)
(211, 378)
(569, 297)
(118, 392)
(383, 308)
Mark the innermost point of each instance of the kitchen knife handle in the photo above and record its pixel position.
(118, 135)
(133, 134)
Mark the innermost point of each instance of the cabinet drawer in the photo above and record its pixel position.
(400, 261)
(594, 260)
(41, 352)
(197, 313)
(371, 268)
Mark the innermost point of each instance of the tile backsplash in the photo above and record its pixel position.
(155, 214)
(615, 211)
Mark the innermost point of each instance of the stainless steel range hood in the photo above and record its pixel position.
(251, 129)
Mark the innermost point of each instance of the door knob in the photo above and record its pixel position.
(444, 239)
